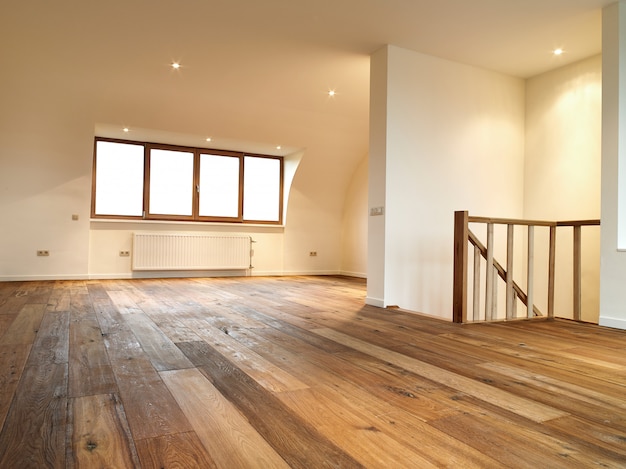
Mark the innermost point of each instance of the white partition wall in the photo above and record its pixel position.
(444, 137)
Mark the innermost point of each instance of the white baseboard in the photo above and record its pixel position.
(615, 323)
(34, 278)
(374, 302)
(175, 274)
(312, 272)
(353, 274)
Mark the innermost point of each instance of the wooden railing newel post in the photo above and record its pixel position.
(459, 302)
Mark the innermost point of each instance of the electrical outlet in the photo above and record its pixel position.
(43, 252)
(313, 253)
(124, 253)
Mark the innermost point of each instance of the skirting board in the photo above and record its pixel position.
(615, 323)
(42, 278)
(170, 274)
(374, 302)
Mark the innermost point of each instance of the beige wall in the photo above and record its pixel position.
(562, 175)
(354, 233)
(68, 76)
(454, 141)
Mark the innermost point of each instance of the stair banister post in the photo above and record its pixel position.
(461, 234)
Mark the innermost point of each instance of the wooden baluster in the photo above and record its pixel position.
(530, 272)
(577, 272)
(551, 270)
(476, 294)
(490, 275)
(494, 301)
(509, 271)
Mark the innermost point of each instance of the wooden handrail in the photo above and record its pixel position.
(464, 236)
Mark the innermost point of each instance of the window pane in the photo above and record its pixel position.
(171, 182)
(261, 189)
(119, 179)
(219, 186)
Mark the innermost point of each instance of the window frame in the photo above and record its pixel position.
(194, 217)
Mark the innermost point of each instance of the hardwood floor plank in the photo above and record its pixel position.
(355, 432)
(229, 438)
(518, 446)
(524, 407)
(181, 450)
(33, 434)
(118, 339)
(150, 408)
(52, 342)
(12, 361)
(24, 327)
(162, 352)
(90, 368)
(100, 436)
(593, 435)
(123, 302)
(59, 300)
(268, 375)
(293, 438)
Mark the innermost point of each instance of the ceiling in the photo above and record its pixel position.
(260, 70)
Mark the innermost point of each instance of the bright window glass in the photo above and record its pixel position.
(119, 179)
(261, 189)
(219, 186)
(171, 182)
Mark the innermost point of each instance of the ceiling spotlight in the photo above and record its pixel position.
(558, 51)
(126, 129)
(331, 92)
(175, 65)
(278, 147)
(208, 139)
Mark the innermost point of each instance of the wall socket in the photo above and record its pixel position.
(124, 253)
(43, 252)
(313, 253)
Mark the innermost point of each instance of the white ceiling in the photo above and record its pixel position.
(259, 70)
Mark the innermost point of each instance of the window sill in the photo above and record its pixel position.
(235, 226)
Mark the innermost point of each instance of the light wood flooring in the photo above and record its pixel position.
(294, 372)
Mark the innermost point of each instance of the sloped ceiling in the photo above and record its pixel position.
(260, 70)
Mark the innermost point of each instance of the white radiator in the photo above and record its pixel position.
(190, 251)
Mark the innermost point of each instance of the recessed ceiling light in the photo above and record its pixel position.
(175, 65)
(278, 147)
(331, 92)
(558, 51)
(208, 139)
(126, 129)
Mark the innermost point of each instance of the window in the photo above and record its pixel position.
(137, 180)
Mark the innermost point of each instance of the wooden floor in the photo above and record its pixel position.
(294, 372)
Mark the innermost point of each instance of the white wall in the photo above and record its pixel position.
(613, 261)
(377, 178)
(562, 174)
(354, 233)
(454, 141)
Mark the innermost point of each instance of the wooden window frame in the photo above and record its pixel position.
(194, 217)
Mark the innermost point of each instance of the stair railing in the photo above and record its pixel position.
(463, 237)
